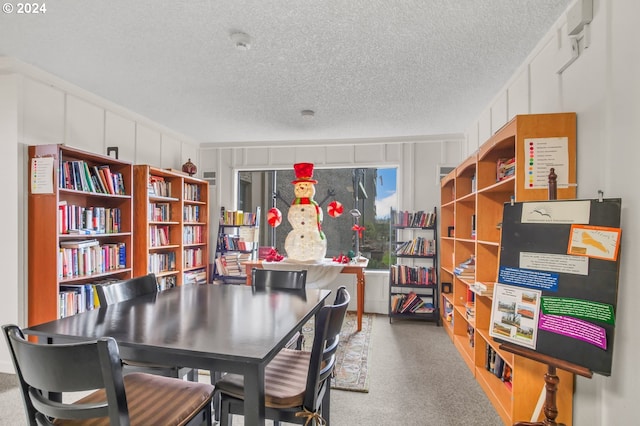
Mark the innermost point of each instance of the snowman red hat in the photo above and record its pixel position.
(304, 173)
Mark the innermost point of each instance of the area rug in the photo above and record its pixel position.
(352, 357)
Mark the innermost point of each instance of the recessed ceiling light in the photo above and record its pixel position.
(241, 40)
(307, 114)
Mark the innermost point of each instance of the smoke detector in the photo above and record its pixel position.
(241, 40)
(307, 114)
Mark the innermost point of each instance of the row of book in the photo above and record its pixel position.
(497, 366)
(78, 175)
(419, 246)
(234, 243)
(166, 282)
(405, 303)
(159, 212)
(505, 168)
(162, 262)
(159, 235)
(191, 213)
(413, 275)
(237, 217)
(192, 192)
(74, 219)
(194, 234)
(159, 187)
(419, 219)
(193, 257)
(88, 257)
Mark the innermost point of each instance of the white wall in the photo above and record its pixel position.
(603, 87)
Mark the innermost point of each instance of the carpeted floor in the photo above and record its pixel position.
(352, 357)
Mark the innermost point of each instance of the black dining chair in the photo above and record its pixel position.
(48, 372)
(297, 383)
(265, 279)
(121, 291)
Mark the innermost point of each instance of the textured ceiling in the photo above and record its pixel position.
(368, 68)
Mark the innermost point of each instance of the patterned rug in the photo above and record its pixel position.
(352, 357)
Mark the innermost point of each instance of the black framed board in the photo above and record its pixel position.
(558, 279)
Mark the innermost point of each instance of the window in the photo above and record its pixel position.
(371, 191)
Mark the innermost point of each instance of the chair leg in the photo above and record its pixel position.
(326, 402)
(223, 414)
(215, 376)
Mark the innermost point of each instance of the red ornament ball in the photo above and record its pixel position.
(274, 217)
(335, 208)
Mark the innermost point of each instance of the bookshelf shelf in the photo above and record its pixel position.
(237, 243)
(79, 229)
(475, 193)
(166, 226)
(413, 288)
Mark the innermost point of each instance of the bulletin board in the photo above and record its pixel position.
(558, 279)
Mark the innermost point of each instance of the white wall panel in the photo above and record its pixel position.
(518, 95)
(545, 96)
(392, 152)
(499, 112)
(282, 157)
(120, 132)
(313, 154)
(369, 154)
(256, 156)
(84, 126)
(426, 188)
(340, 154)
(170, 153)
(147, 145)
(42, 113)
(484, 128)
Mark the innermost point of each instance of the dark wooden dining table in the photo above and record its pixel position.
(211, 327)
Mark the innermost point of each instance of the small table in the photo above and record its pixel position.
(348, 268)
(210, 327)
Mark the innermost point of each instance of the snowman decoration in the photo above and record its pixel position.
(306, 242)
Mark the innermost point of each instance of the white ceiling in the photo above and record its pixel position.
(368, 68)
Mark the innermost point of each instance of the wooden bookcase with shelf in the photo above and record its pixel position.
(237, 243)
(472, 200)
(172, 226)
(413, 288)
(79, 227)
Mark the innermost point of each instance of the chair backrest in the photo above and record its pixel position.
(262, 279)
(120, 291)
(325, 344)
(63, 368)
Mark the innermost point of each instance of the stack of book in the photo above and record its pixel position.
(467, 269)
(482, 288)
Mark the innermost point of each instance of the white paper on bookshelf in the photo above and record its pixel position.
(42, 175)
(249, 235)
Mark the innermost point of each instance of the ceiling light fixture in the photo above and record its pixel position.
(241, 40)
(307, 114)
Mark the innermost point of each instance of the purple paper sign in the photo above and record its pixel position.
(574, 328)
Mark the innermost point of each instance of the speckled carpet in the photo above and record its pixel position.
(352, 357)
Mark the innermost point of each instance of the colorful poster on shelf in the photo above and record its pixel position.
(542, 154)
(599, 242)
(42, 175)
(514, 315)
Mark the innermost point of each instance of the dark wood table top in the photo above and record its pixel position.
(221, 322)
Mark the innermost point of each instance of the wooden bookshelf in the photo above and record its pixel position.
(474, 193)
(171, 220)
(59, 196)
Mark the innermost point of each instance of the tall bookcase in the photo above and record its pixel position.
(80, 225)
(472, 201)
(238, 239)
(413, 288)
(172, 226)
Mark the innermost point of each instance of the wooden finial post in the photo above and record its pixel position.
(553, 184)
